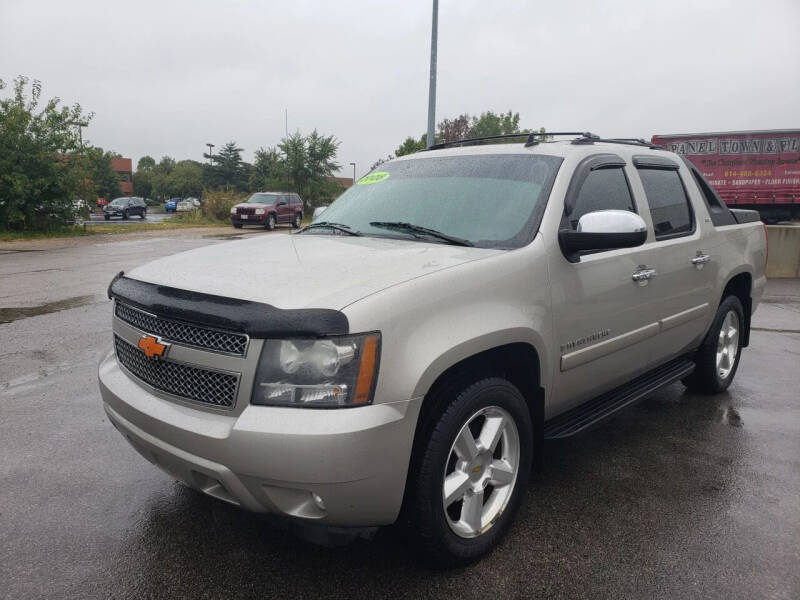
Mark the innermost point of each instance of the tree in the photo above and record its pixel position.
(143, 182)
(104, 179)
(490, 123)
(454, 129)
(311, 162)
(165, 165)
(411, 145)
(41, 170)
(146, 163)
(269, 170)
(185, 180)
(228, 170)
(464, 126)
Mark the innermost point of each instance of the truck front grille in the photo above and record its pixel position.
(184, 381)
(183, 333)
(245, 211)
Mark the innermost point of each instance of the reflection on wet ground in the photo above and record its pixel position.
(677, 497)
(13, 313)
(682, 496)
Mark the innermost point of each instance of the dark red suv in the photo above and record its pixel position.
(267, 209)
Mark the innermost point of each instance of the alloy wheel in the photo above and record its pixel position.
(727, 344)
(481, 472)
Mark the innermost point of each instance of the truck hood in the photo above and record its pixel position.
(304, 271)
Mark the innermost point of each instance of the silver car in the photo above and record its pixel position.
(413, 348)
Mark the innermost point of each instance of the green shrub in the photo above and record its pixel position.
(217, 204)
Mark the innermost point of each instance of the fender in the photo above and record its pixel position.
(476, 345)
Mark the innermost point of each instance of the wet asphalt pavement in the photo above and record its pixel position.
(682, 496)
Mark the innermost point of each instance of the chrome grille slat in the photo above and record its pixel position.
(184, 381)
(183, 333)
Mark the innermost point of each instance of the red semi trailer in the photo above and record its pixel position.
(759, 170)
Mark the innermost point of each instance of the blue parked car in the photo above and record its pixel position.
(171, 205)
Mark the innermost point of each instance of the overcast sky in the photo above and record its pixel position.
(166, 77)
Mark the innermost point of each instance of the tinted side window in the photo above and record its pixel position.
(669, 206)
(720, 215)
(603, 189)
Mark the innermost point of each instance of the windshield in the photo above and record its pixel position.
(119, 201)
(262, 199)
(492, 201)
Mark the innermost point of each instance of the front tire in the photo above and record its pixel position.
(270, 224)
(717, 359)
(472, 474)
(106, 217)
(125, 215)
(144, 214)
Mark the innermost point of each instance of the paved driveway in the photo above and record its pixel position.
(681, 497)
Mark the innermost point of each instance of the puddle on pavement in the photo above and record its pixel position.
(15, 313)
(222, 236)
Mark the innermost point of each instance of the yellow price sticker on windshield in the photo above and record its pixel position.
(373, 178)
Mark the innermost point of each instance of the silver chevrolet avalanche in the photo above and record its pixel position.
(404, 356)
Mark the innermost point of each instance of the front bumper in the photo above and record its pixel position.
(271, 459)
(250, 220)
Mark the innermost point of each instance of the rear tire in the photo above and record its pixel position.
(298, 220)
(717, 359)
(461, 507)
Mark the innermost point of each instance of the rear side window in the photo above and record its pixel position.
(669, 205)
(603, 189)
(720, 215)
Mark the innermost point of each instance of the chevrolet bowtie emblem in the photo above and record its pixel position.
(153, 347)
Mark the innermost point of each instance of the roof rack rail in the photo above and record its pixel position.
(535, 137)
(531, 138)
(627, 141)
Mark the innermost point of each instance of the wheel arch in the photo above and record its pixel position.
(741, 285)
(518, 362)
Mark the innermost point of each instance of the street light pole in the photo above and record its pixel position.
(432, 86)
(80, 125)
(354, 173)
(210, 151)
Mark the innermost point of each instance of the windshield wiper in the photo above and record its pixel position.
(329, 225)
(410, 227)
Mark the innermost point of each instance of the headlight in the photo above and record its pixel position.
(233, 210)
(322, 373)
(260, 211)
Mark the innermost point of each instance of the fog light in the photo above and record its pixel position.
(318, 500)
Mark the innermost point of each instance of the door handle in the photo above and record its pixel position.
(642, 275)
(700, 259)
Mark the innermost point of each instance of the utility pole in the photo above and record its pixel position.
(80, 125)
(432, 86)
(354, 173)
(287, 148)
(210, 151)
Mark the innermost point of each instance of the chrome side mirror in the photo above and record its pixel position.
(611, 221)
(603, 230)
